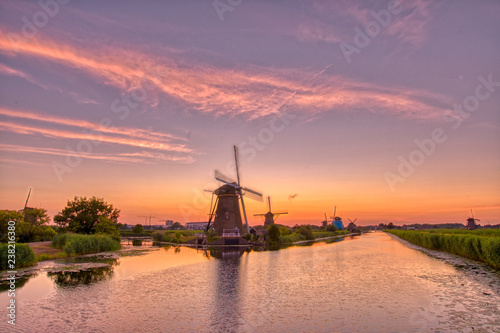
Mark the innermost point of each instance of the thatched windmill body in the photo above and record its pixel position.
(227, 215)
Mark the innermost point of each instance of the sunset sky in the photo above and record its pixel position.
(391, 111)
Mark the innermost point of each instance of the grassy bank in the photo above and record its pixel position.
(298, 236)
(24, 256)
(175, 236)
(483, 245)
(83, 244)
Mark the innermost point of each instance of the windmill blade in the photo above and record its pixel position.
(237, 162)
(281, 213)
(350, 220)
(223, 178)
(259, 214)
(355, 220)
(252, 194)
(26, 204)
(244, 213)
(269, 202)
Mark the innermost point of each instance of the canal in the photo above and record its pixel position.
(368, 283)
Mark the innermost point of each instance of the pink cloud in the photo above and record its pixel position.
(251, 91)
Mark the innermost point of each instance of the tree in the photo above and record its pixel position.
(177, 226)
(35, 218)
(331, 227)
(390, 225)
(83, 215)
(29, 227)
(5, 217)
(274, 234)
(137, 229)
(306, 231)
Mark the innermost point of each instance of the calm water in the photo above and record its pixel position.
(372, 283)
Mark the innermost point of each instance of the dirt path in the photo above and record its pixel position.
(43, 247)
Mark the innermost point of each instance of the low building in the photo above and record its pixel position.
(196, 225)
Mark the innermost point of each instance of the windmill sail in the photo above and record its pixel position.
(223, 178)
(228, 204)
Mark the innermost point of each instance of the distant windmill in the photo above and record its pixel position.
(269, 216)
(227, 208)
(26, 203)
(471, 222)
(28, 214)
(337, 221)
(351, 224)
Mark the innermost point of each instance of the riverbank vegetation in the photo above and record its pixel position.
(30, 225)
(300, 233)
(83, 244)
(23, 253)
(480, 244)
(176, 236)
(89, 216)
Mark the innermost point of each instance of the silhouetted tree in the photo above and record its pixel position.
(137, 229)
(83, 215)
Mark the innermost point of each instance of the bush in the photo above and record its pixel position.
(82, 244)
(331, 227)
(137, 229)
(44, 233)
(292, 238)
(137, 242)
(24, 256)
(158, 236)
(306, 232)
(274, 234)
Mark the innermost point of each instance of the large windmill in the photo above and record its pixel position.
(227, 208)
(270, 216)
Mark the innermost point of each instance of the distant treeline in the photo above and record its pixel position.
(481, 244)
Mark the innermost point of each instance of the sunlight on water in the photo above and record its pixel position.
(371, 283)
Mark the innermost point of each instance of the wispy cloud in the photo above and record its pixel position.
(251, 91)
(409, 26)
(142, 157)
(10, 71)
(84, 124)
(142, 146)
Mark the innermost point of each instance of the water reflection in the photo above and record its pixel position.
(372, 283)
(226, 310)
(84, 274)
(71, 278)
(20, 281)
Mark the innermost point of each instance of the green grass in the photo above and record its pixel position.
(477, 232)
(480, 244)
(48, 256)
(175, 236)
(322, 234)
(83, 244)
(296, 237)
(23, 253)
